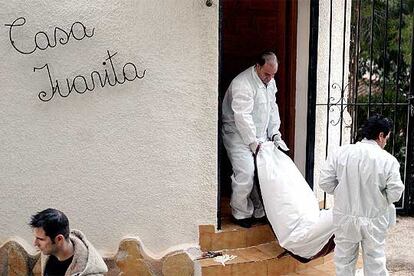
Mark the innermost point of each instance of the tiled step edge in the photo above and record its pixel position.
(256, 260)
(233, 236)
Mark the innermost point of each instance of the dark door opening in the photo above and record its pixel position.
(247, 28)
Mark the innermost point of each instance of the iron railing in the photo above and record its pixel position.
(376, 78)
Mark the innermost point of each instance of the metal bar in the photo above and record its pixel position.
(312, 78)
(411, 92)
(409, 166)
(398, 79)
(329, 81)
(329, 90)
(366, 104)
(341, 118)
(407, 150)
(371, 40)
(356, 79)
(385, 56)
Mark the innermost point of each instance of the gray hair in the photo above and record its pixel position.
(267, 57)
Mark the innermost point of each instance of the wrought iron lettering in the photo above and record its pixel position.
(42, 41)
(80, 83)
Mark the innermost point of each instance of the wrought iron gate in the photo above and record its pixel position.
(377, 77)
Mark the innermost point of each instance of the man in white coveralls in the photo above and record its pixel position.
(250, 117)
(365, 180)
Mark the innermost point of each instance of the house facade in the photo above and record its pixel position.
(111, 110)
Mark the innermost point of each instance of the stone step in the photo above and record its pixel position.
(256, 260)
(232, 236)
(327, 268)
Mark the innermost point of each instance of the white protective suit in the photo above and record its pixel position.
(365, 180)
(250, 114)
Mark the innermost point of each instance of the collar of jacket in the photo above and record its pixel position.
(367, 141)
(86, 260)
(256, 78)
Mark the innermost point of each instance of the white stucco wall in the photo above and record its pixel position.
(134, 159)
(339, 70)
(302, 64)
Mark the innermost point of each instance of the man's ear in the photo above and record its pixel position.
(59, 238)
(381, 135)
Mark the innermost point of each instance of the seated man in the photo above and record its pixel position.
(67, 252)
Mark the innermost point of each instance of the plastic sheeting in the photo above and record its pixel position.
(291, 206)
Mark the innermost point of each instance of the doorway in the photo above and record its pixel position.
(247, 28)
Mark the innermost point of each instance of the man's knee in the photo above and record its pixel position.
(244, 169)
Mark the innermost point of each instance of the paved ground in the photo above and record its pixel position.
(400, 247)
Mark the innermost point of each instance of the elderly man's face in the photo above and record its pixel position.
(266, 72)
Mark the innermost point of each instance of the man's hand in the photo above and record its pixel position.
(254, 147)
(279, 143)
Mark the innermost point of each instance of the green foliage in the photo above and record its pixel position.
(390, 54)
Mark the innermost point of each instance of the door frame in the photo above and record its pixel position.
(289, 118)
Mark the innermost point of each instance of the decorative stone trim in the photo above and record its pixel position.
(178, 263)
(15, 261)
(130, 260)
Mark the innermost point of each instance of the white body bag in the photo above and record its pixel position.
(291, 206)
